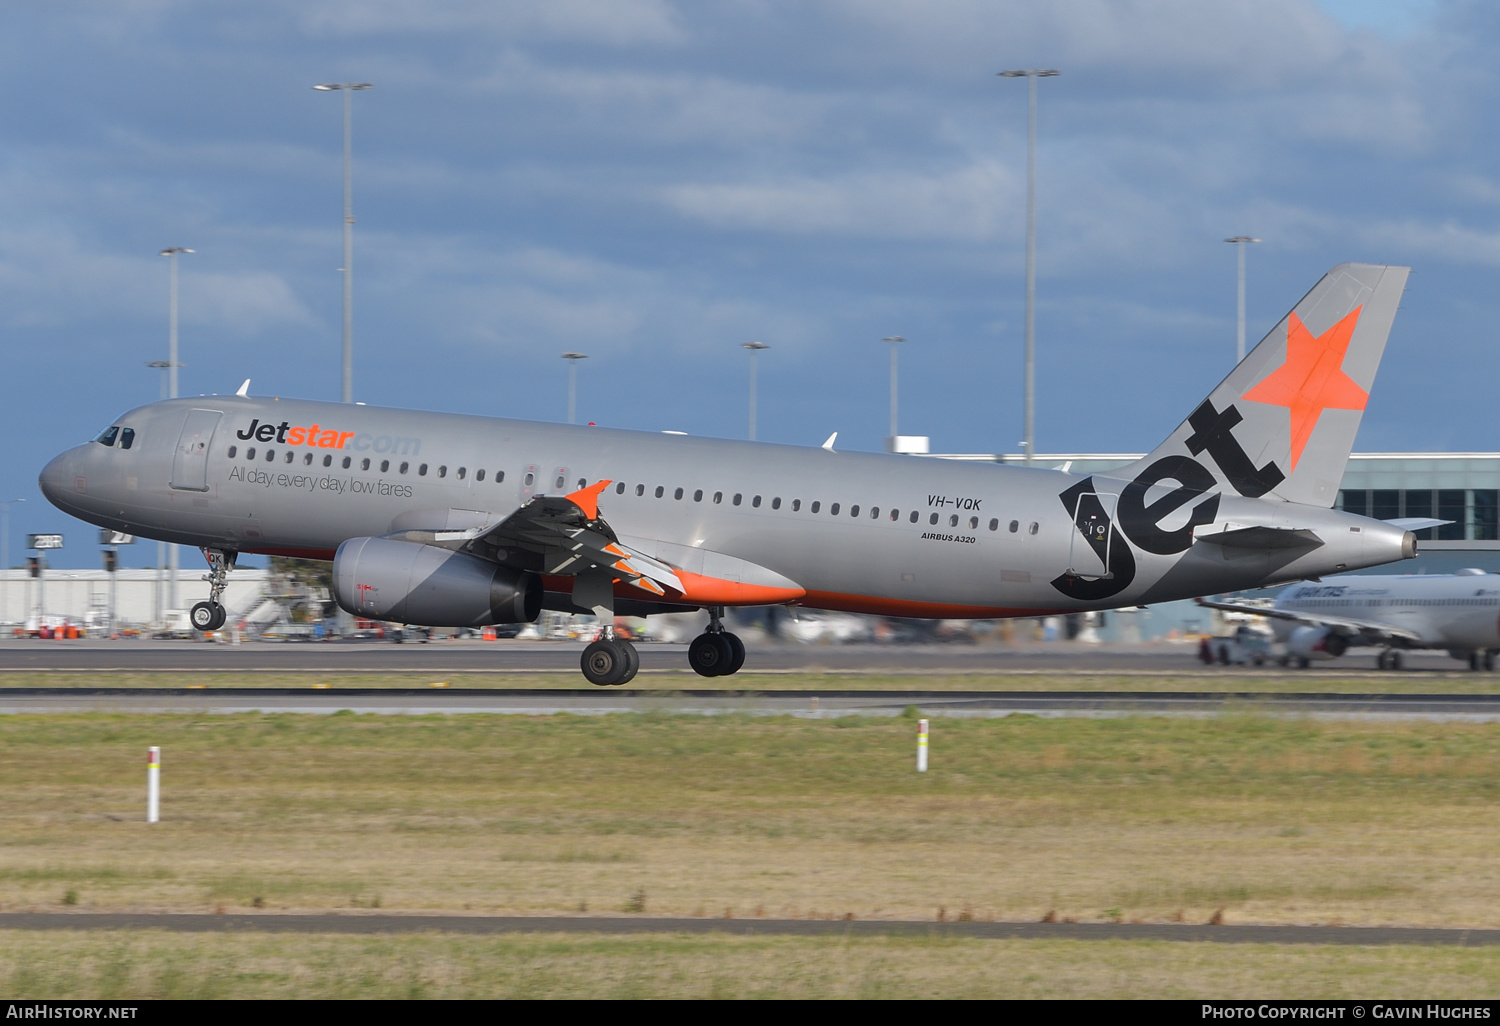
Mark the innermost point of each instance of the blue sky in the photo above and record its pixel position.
(653, 183)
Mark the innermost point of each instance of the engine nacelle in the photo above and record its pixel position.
(407, 582)
(1316, 643)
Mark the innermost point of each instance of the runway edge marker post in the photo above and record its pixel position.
(153, 784)
(921, 746)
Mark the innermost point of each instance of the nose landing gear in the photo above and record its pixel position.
(716, 652)
(211, 615)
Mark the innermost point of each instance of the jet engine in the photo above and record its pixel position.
(1316, 643)
(407, 582)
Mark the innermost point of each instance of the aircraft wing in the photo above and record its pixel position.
(1373, 633)
(563, 535)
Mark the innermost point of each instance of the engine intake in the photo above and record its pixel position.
(1316, 643)
(406, 582)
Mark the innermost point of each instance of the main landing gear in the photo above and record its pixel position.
(211, 615)
(610, 660)
(1390, 659)
(716, 652)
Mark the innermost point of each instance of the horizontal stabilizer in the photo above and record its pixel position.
(1417, 523)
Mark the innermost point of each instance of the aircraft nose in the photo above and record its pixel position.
(58, 477)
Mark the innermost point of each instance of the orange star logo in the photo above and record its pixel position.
(1312, 379)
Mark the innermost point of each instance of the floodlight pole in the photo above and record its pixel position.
(1031, 75)
(1239, 337)
(895, 341)
(348, 89)
(573, 359)
(755, 348)
(172, 253)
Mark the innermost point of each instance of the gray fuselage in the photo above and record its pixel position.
(899, 535)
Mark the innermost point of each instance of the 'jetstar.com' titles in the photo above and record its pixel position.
(320, 437)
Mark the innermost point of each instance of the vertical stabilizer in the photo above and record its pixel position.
(1282, 424)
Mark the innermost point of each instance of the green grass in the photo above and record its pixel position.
(155, 965)
(1156, 819)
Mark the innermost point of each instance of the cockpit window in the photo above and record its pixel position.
(127, 438)
(109, 436)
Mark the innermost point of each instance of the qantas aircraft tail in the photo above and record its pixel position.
(1282, 424)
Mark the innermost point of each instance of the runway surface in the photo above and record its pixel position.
(804, 703)
(384, 924)
(383, 657)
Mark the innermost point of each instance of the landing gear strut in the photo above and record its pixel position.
(716, 652)
(608, 660)
(211, 615)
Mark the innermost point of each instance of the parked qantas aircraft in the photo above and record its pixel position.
(1324, 619)
(449, 520)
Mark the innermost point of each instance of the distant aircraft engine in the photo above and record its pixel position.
(1316, 643)
(407, 582)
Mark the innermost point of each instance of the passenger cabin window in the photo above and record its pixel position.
(385, 465)
(442, 471)
(815, 506)
(1034, 528)
(914, 516)
(718, 497)
(620, 488)
(854, 511)
(677, 494)
(660, 491)
(738, 498)
(479, 475)
(422, 470)
(776, 502)
(973, 523)
(895, 515)
(109, 435)
(932, 519)
(640, 489)
(560, 482)
(582, 481)
(461, 472)
(328, 461)
(404, 466)
(833, 510)
(291, 456)
(953, 520)
(796, 505)
(250, 453)
(874, 512)
(1015, 525)
(231, 452)
(755, 502)
(270, 455)
(127, 438)
(994, 525)
(530, 478)
(364, 464)
(698, 495)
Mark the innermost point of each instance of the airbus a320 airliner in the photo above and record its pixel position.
(445, 520)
